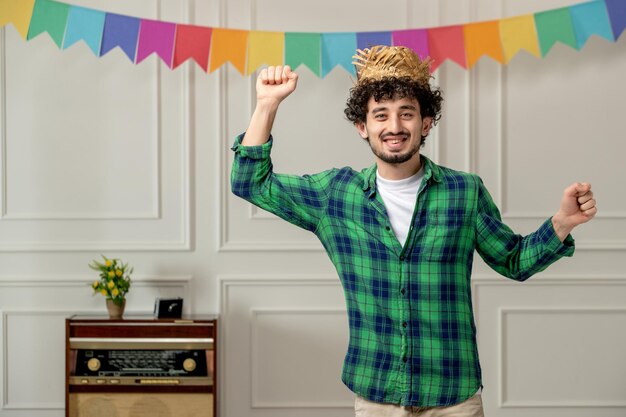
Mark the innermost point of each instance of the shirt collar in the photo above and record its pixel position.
(431, 170)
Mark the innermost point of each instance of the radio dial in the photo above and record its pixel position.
(189, 365)
(93, 364)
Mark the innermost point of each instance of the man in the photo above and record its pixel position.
(402, 235)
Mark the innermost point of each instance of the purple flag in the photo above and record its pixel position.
(415, 39)
(617, 14)
(156, 36)
(369, 39)
(120, 31)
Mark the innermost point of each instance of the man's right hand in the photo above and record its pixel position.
(274, 84)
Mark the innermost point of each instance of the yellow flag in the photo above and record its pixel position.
(482, 39)
(519, 33)
(17, 12)
(228, 45)
(265, 48)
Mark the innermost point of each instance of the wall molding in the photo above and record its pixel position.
(157, 138)
(502, 401)
(65, 281)
(180, 243)
(4, 316)
(257, 403)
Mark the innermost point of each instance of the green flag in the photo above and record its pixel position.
(303, 48)
(555, 26)
(49, 16)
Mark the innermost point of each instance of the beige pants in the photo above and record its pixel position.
(473, 407)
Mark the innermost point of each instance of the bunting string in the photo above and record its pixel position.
(247, 50)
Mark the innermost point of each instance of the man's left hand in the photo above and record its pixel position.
(577, 207)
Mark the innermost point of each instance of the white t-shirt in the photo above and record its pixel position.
(399, 197)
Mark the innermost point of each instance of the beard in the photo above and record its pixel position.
(395, 158)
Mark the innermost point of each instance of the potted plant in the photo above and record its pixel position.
(114, 283)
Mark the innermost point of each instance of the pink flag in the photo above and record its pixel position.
(415, 39)
(156, 36)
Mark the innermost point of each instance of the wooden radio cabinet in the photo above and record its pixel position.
(140, 367)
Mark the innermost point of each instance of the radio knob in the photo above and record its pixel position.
(189, 365)
(93, 364)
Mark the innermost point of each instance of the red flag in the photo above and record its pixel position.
(446, 42)
(192, 42)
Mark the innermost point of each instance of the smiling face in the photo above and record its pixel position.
(394, 129)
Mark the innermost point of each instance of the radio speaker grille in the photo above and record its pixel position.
(140, 405)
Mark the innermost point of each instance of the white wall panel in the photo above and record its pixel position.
(33, 312)
(285, 338)
(87, 147)
(549, 347)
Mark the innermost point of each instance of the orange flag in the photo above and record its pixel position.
(265, 48)
(482, 39)
(229, 45)
(17, 12)
(519, 33)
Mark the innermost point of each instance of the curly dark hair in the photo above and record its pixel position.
(428, 97)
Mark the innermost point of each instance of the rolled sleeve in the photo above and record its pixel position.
(548, 236)
(253, 152)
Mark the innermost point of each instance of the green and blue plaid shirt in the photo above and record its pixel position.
(412, 333)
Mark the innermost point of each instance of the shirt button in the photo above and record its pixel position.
(387, 228)
(404, 359)
(402, 258)
(404, 324)
(403, 291)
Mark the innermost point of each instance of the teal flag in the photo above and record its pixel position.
(304, 48)
(591, 18)
(338, 49)
(84, 24)
(555, 26)
(49, 16)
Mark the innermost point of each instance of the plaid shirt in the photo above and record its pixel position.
(412, 333)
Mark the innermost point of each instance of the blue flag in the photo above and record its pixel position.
(337, 49)
(121, 31)
(84, 24)
(590, 19)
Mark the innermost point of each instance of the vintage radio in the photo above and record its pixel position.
(140, 367)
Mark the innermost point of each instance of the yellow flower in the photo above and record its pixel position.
(95, 284)
(111, 284)
(108, 263)
(118, 272)
(103, 291)
(111, 274)
(115, 292)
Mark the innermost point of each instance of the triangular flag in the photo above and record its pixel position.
(415, 39)
(304, 48)
(156, 36)
(369, 39)
(482, 39)
(121, 31)
(229, 45)
(446, 42)
(265, 48)
(518, 33)
(338, 49)
(84, 24)
(555, 26)
(617, 14)
(590, 19)
(192, 42)
(17, 12)
(49, 16)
